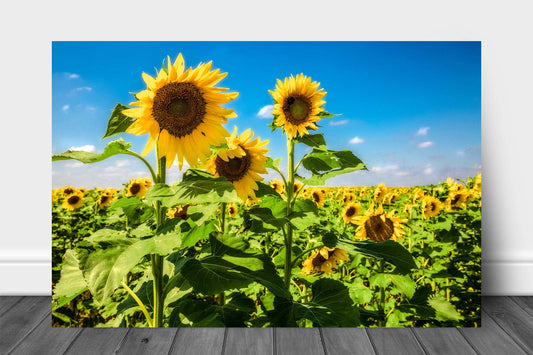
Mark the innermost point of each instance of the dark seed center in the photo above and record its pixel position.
(72, 200)
(233, 169)
(318, 260)
(350, 212)
(296, 109)
(378, 230)
(135, 188)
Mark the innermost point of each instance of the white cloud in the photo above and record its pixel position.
(90, 108)
(422, 131)
(401, 173)
(338, 123)
(380, 169)
(83, 88)
(73, 76)
(356, 140)
(65, 108)
(428, 170)
(460, 152)
(122, 163)
(425, 144)
(74, 164)
(85, 148)
(265, 111)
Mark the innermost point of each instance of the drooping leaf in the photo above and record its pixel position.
(330, 163)
(118, 146)
(118, 122)
(72, 283)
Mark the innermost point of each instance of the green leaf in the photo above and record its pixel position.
(134, 209)
(272, 163)
(315, 141)
(72, 283)
(444, 309)
(118, 122)
(325, 114)
(304, 214)
(238, 310)
(265, 190)
(326, 164)
(118, 146)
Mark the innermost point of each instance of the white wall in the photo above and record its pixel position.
(504, 29)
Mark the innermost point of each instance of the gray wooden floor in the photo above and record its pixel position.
(507, 328)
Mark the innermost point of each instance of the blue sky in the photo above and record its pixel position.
(410, 110)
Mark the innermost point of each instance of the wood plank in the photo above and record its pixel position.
(20, 319)
(398, 341)
(525, 302)
(291, 341)
(46, 339)
(244, 341)
(512, 319)
(6, 302)
(443, 341)
(346, 341)
(148, 341)
(194, 341)
(97, 341)
(490, 338)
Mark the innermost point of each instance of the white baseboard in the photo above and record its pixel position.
(499, 278)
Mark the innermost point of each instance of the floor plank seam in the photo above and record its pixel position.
(224, 341)
(13, 305)
(521, 306)
(468, 341)
(322, 341)
(419, 342)
(274, 345)
(371, 341)
(517, 341)
(73, 341)
(173, 341)
(17, 344)
(119, 345)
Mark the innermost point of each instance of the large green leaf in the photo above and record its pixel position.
(118, 122)
(118, 146)
(134, 208)
(329, 163)
(315, 141)
(72, 283)
(444, 309)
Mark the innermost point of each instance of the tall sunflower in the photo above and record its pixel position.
(73, 201)
(431, 207)
(324, 259)
(241, 162)
(378, 226)
(298, 102)
(182, 109)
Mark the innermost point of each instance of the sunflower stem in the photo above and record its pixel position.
(290, 192)
(221, 295)
(154, 176)
(382, 292)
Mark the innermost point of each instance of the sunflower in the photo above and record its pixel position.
(241, 162)
(456, 200)
(182, 109)
(318, 197)
(431, 207)
(137, 187)
(67, 190)
(391, 198)
(178, 212)
(298, 103)
(324, 259)
(233, 210)
(105, 199)
(348, 197)
(379, 193)
(350, 212)
(277, 186)
(378, 226)
(73, 201)
(297, 186)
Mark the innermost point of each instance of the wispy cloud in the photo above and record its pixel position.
(90, 108)
(460, 152)
(338, 123)
(265, 111)
(381, 169)
(65, 108)
(425, 144)
(356, 140)
(73, 76)
(428, 170)
(83, 88)
(401, 173)
(74, 164)
(85, 148)
(422, 131)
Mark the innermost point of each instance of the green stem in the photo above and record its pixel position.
(382, 292)
(154, 176)
(139, 302)
(221, 295)
(289, 187)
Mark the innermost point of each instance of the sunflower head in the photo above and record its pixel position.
(378, 226)
(431, 207)
(350, 212)
(278, 186)
(178, 212)
(233, 210)
(67, 190)
(138, 187)
(380, 192)
(181, 110)
(73, 201)
(298, 103)
(105, 199)
(241, 162)
(348, 197)
(456, 200)
(324, 259)
(319, 197)
(297, 186)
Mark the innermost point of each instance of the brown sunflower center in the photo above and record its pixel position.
(179, 108)
(456, 199)
(379, 230)
(135, 188)
(72, 200)
(232, 210)
(103, 199)
(316, 197)
(432, 206)
(350, 212)
(296, 109)
(318, 260)
(233, 169)
(68, 191)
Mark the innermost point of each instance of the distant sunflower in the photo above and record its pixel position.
(378, 226)
(380, 192)
(182, 108)
(233, 210)
(73, 201)
(431, 207)
(67, 190)
(324, 259)
(178, 212)
(277, 185)
(350, 212)
(138, 187)
(297, 186)
(348, 197)
(456, 200)
(105, 199)
(318, 197)
(391, 198)
(241, 163)
(298, 103)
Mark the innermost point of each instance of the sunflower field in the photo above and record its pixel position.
(222, 247)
